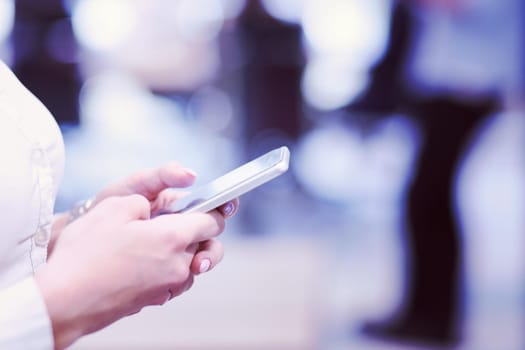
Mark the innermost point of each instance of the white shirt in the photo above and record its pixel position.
(32, 162)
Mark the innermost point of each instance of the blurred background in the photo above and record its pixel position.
(400, 224)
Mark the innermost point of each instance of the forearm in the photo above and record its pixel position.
(62, 308)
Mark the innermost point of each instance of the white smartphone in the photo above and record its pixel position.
(235, 183)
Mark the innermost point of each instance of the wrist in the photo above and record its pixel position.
(61, 307)
(79, 209)
(59, 223)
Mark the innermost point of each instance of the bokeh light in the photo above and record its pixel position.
(288, 11)
(343, 38)
(104, 25)
(7, 14)
(330, 84)
(328, 162)
(120, 107)
(355, 28)
(232, 8)
(212, 108)
(199, 20)
(335, 162)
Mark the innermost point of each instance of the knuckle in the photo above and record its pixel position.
(138, 202)
(160, 299)
(138, 176)
(110, 203)
(113, 201)
(138, 199)
(176, 238)
(135, 310)
(180, 273)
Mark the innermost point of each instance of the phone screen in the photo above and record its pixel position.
(235, 183)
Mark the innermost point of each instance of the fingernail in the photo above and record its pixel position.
(228, 209)
(205, 266)
(190, 172)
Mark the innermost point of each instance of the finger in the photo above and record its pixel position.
(192, 249)
(150, 182)
(178, 289)
(230, 208)
(164, 201)
(189, 283)
(210, 253)
(188, 228)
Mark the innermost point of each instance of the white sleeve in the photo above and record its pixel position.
(24, 322)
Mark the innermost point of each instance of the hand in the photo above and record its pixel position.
(209, 252)
(156, 185)
(115, 260)
(150, 183)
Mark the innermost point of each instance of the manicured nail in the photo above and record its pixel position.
(228, 209)
(190, 172)
(205, 265)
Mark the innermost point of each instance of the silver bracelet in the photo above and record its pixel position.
(80, 209)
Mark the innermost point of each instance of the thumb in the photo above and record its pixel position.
(123, 208)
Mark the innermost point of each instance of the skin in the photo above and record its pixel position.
(119, 257)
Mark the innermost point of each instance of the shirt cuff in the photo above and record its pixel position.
(24, 321)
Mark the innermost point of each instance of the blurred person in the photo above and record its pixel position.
(45, 56)
(272, 64)
(448, 105)
(107, 258)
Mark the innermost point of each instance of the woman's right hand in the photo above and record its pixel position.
(126, 262)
